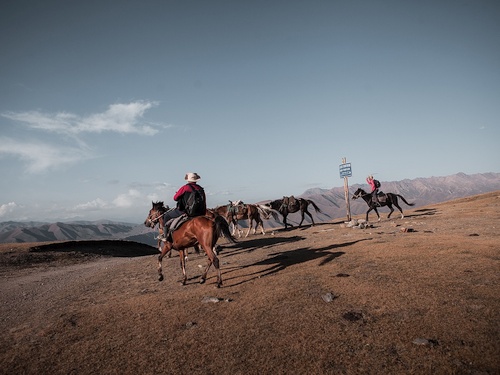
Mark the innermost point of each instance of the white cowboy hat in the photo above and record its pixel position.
(192, 177)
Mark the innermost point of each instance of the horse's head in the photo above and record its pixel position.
(358, 193)
(275, 205)
(155, 214)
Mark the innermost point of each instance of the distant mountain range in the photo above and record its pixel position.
(421, 191)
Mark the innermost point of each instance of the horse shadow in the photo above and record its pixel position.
(258, 243)
(292, 228)
(280, 261)
(422, 212)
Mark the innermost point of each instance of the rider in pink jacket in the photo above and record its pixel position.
(374, 190)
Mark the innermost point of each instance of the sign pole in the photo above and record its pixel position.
(346, 172)
(346, 192)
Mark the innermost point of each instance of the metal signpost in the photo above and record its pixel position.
(345, 172)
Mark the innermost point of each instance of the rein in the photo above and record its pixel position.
(157, 218)
(359, 195)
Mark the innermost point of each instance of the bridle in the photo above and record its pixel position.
(156, 219)
(359, 195)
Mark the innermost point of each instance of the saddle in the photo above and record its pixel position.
(289, 203)
(174, 224)
(236, 208)
(381, 197)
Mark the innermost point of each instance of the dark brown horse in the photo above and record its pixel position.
(233, 212)
(385, 199)
(200, 230)
(289, 205)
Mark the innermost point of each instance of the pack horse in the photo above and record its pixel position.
(235, 211)
(289, 205)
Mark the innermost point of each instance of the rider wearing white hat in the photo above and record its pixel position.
(180, 197)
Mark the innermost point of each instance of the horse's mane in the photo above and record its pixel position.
(159, 205)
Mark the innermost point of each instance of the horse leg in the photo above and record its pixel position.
(307, 212)
(302, 218)
(166, 248)
(236, 229)
(182, 257)
(400, 210)
(162, 238)
(212, 259)
(375, 209)
(261, 223)
(390, 208)
(250, 225)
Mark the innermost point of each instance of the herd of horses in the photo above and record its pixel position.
(204, 231)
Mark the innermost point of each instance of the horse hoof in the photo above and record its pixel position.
(160, 278)
(202, 281)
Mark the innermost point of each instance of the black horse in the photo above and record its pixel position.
(289, 205)
(388, 200)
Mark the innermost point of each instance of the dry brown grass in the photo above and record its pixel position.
(75, 313)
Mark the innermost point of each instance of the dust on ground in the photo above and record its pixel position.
(418, 295)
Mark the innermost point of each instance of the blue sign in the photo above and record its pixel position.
(345, 170)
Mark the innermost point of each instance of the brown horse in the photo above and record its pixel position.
(200, 230)
(289, 205)
(233, 212)
(388, 200)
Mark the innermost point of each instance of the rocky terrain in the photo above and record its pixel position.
(418, 295)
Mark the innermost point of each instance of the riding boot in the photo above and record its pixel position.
(163, 235)
(167, 230)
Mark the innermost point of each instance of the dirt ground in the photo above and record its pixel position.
(418, 295)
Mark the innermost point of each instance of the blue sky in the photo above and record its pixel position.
(105, 105)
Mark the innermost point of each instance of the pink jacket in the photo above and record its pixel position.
(371, 183)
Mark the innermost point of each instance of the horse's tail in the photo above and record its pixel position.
(222, 228)
(404, 200)
(314, 205)
(267, 212)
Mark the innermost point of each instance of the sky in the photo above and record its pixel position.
(106, 105)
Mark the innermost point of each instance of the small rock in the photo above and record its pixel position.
(211, 300)
(328, 297)
(420, 341)
(406, 230)
(351, 223)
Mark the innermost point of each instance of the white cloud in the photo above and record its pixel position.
(127, 199)
(39, 156)
(7, 208)
(119, 118)
(96, 204)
